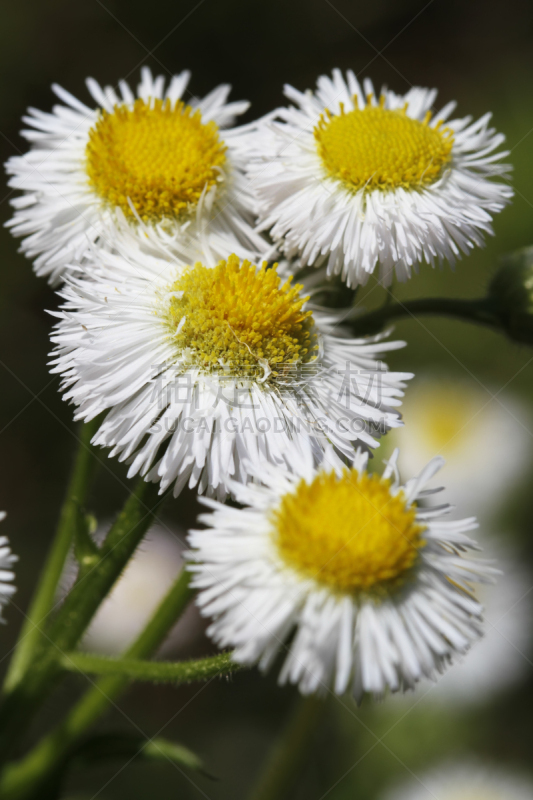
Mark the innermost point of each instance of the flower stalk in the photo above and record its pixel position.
(43, 601)
(21, 702)
(287, 756)
(481, 311)
(23, 780)
(152, 671)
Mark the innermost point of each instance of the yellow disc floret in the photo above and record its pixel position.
(349, 532)
(159, 155)
(445, 416)
(240, 319)
(379, 148)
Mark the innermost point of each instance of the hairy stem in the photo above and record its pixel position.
(152, 671)
(43, 600)
(23, 780)
(481, 311)
(75, 614)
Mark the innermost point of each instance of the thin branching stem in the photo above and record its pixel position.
(42, 604)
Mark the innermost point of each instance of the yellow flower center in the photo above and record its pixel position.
(347, 532)
(447, 420)
(239, 319)
(159, 155)
(376, 148)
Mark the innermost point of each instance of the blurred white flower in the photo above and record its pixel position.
(143, 584)
(464, 781)
(487, 442)
(7, 576)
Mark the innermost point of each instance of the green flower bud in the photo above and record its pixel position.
(511, 295)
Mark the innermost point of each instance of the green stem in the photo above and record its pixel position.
(482, 311)
(75, 614)
(23, 779)
(96, 700)
(288, 754)
(44, 597)
(152, 671)
(119, 545)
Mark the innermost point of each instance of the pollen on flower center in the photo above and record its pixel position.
(159, 155)
(348, 532)
(240, 319)
(379, 148)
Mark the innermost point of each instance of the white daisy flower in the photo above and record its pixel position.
(203, 369)
(355, 180)
(502, 658)
(7, 576)
(466, 424)
(176, 165)
(377, 591)
(465, 781)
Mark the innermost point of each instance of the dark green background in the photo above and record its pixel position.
(478, 52)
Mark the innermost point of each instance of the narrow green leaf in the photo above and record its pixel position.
(129, 747)
(122, 746)
(162, 750)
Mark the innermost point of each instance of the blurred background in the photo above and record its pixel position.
(471, 400)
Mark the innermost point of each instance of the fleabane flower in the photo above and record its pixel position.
(465, 781)
(7, 576)
(466, 424)
(175, 164)
(342, 570)
(355, 180)
(501, 660)
(203, 369)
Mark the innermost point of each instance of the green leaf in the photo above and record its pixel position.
(162, 750)
(132, 747)
(123, 746)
